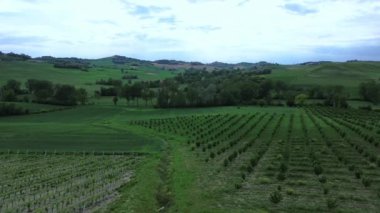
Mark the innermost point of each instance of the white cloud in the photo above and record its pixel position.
(285, 31)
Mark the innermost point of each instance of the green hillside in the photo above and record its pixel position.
(100, 69)
(349, 74)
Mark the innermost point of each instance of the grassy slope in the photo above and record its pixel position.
(22, 71)
(349, 75)
(346, 74)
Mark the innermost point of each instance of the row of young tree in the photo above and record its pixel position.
(43, 91)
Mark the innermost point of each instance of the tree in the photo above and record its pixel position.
(136, 91)
(8, 95)
(151, 96)
(163, 97)
(280, 87)
(300, 99)
(370, 91)
(41, 89)
(65, 95)
(13, 85)
(126, 92)
(145, 93)
(265, 88)
(248, 91)
(336, 97)
(82, 96)
(191, 95)
(115, 99)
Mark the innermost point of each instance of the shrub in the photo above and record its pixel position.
(318, 169)
(326, 190)
(322, 179)
(283, 167)
(290, 191)
(358, 174)
(366, 182)
(275, 197)
(281, 176)
(212, 155)
(225, 163)
(331, 203)
(243, 176)
(372, 158)
(11, 109)
(238, 186)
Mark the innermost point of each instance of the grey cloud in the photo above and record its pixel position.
(241, 3)
(366, 52)
(6, 39)
(167, 20)
(298, 9)
(205, 28)
(143, 11)
(203, 1)
(106, 22)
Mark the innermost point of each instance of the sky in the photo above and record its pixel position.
(281, 31)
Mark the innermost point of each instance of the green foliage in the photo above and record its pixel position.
(370, 91)
(366, 182)
(11, 109)
(275, 197)
(322, 179)
(301, 99)
(318, 169)
(331, 203)
(290, 191)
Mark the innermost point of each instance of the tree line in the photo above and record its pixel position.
(199, 88)
(43, 91)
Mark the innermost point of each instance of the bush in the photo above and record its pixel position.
(366, 182)
(318, 169)
(290, 191)
(11, 109)
(281, 176)
(326, 190)
(238, 186)
(322, 179)
(331, 203)
(358, 174)
(275, 197)
(283, 167)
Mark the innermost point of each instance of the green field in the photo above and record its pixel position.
(219, 159)
(102, 157)
(22, 71)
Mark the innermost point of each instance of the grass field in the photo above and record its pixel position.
(22, 71)
(350, 75)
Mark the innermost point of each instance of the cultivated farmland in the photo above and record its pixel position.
(312, 159)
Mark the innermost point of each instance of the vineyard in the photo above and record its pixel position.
(62, 182)
(311, 159)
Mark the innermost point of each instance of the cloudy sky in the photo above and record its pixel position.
(283, 31)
